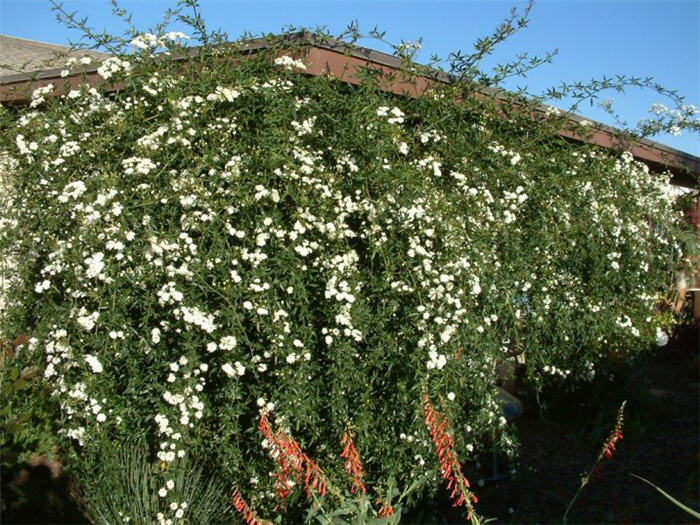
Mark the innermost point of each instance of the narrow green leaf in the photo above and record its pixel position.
(673, 500)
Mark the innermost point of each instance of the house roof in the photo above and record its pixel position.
(19, 55)
(327, 56)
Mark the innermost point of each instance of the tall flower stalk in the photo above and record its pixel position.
(450, 468)
(293, 465)
(606, 452)
(353, 465)
(245, 510)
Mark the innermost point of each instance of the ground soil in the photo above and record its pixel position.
(660, 444)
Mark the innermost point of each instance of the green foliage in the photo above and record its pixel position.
(25, 414)
(119, 484)
(355, 510)
(695, 514)
(228, 233)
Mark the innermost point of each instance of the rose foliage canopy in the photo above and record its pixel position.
(228, 235)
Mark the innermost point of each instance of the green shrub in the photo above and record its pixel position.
(227, 234)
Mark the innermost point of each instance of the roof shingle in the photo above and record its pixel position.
(18, 55)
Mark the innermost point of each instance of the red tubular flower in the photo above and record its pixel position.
(609, 445)
(353, 465)
(245, 510)
(450, 468)
(292, 464)
(385, 511)
(287, 455)
(315, 479)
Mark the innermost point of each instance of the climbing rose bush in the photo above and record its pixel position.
(228, 236)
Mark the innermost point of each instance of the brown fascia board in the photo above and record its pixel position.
(328, 56)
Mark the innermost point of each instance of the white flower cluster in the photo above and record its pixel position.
(112, 66)
(38, 97)
(94, 364)
(338, 289)
(289, 63)
(94, 264)
(77, 404)
(614, 258)
(553, 370)
(304, 128)
(661, 337)
(437, 361)
(151, 142)
(394, 115)
(86, 320)
(626, 323)
(431, 135)
(670, 120)
(149, 41)
(186, 407)
(168, 294)
(72, 190)
(178, 509)
(511, 155)
(222, 94)
(513, 200)
(74, 61)
(42, 286)
(235, 370)
(25, 148)
(140, 165)
(195, 316)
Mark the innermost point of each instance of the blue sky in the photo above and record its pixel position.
(658, 38)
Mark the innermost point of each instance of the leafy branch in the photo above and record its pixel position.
(466, 67)
(98, 40)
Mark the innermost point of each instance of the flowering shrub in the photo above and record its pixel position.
(228, 236)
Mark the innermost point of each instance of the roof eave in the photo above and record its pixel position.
(328, 55)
